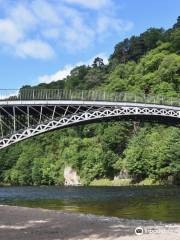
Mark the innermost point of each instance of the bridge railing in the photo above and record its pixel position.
(85, 95)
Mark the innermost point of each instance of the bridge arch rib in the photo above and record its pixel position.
(53, 117)
(23, 116)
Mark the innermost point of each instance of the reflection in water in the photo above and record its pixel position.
(150, 202)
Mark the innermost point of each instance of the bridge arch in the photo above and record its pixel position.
(28, 113)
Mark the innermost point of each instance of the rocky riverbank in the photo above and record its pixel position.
(38, 224)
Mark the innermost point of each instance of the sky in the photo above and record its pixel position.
(42, 40)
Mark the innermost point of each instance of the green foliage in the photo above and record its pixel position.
(175, 38)
(155, 154)
(135, 47)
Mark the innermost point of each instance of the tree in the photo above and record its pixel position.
(175, 38)
(177, 24)
(136, 46)
(98, 62)
(134, 160)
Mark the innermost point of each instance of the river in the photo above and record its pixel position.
(133, 202)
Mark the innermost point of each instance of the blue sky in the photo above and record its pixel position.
(42, 40)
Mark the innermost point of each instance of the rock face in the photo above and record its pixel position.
(122, 175)
(70, 177)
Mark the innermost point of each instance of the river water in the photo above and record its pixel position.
(140, 202)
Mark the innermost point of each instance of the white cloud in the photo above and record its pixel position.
(65, 71)
(78, 37)
(22, 17)
(93, 4)
(35, 49)
(46, 12)
(76, 32)
(57, 25)
(59, 75)
(52, 33)
(9, 33)
(108, 24)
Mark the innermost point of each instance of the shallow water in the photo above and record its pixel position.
(140, 202)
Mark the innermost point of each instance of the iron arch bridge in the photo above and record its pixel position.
(28, 112)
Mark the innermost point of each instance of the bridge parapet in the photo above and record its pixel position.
(85, 95)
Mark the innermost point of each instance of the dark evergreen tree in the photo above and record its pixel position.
(177, 24)
(98, 62)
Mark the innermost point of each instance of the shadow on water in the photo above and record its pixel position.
(140, 202)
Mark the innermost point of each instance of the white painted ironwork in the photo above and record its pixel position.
(24, 114)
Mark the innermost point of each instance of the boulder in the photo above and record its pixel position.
(71, 177)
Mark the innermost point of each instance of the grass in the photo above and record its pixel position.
(108, 182)
(122, 182)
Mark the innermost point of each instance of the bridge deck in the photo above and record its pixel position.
(80, 102)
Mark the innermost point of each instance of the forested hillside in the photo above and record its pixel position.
(149, 62)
